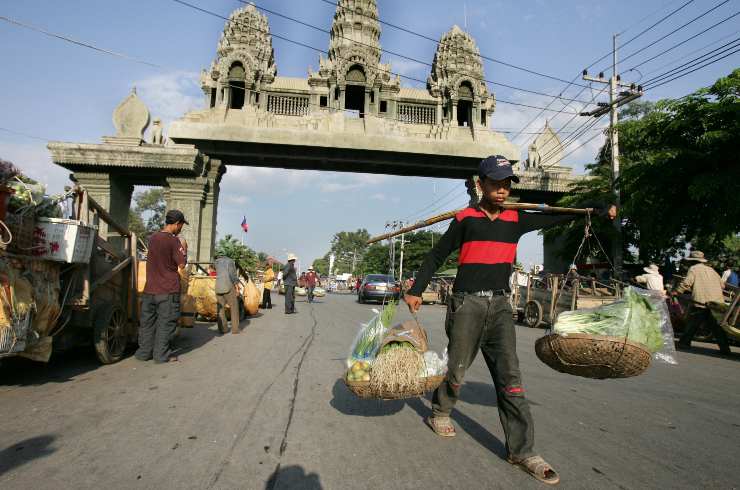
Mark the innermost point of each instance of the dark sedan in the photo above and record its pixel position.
(378, 287)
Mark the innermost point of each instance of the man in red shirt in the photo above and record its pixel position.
(479, 315)
(160, 303)
(311, 280)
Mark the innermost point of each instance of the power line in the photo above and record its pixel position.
(394, 53)
(579, 146)
(18, 133)
(676, 30)
(684, 41)
(323, 51)
(693, 62)
(692, 71)
(454, 187)
(78, 43)
(676, 60)
(572, 82)
(435, 41)
(655, 24)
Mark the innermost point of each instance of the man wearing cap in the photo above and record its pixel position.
(652, 280)
(160, 302)
(311, 280)
(227, 293)
(290, 279)
(479, 315)
(706, 287)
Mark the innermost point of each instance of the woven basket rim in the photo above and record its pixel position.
(602, 338)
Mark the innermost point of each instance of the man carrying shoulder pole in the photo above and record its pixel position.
(479, 314)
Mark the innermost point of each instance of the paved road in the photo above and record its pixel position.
(265, 410)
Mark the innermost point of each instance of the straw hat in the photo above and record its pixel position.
(292, 257)
(696, 256)
(310, 268)
(652, 269)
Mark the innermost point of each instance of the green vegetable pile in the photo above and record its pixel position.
(635, 316)
(367, 344)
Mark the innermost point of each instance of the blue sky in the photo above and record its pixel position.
(54, 90)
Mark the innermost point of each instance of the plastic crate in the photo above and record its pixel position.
(64, 240)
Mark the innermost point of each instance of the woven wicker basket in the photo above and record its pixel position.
(593, 356)
(21, 226)
(363, 390)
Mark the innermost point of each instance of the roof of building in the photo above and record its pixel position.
(289, 83)
(415, 93)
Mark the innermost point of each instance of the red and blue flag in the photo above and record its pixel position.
(245, 226)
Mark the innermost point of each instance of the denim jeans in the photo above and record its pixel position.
(157, 325)
(477, 323)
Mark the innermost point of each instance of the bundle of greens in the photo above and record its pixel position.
(368, 339)
(636, 317)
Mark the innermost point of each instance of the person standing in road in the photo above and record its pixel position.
(479, 315)
(267, 280)
(227, 292)
(652, 279)
(730, 276)
(706, 287)
(160, 302)
(290, 279)
(312, 279)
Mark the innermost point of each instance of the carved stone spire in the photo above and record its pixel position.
(457, 59)
(355, 33)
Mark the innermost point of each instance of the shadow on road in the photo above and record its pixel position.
(198, 336)
(293, 477)
(710, 351)
(25, 451)
(63, 367)
(347, 403)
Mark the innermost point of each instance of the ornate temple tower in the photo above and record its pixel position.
(355, 31)
(457, 78)
(245, 61)
(546, 150)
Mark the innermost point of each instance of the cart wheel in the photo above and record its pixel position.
(109, 333)
(532, 314)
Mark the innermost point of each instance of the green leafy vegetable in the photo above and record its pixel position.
(634, 316)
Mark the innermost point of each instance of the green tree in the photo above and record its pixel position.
(321, 265)
(244, 256)
(680, 174)
(148, 212)
(348, 247)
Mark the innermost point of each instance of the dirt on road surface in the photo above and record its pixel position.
(267, 409)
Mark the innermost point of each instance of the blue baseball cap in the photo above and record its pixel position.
(497, 167)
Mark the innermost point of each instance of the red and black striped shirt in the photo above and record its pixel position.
(487, 248)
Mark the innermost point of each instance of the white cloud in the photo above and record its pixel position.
(379, 196)
(170, 95)
(34, 160)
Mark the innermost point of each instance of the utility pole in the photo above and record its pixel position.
(400, 266)
(616, 100)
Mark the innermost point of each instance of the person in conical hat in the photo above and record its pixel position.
(653, 280)
(290, 279)
(706, 287)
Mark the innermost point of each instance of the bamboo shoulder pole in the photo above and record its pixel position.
(451, 214)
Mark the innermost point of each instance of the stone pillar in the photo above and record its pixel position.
(453, 116)
(187, 194)
(368, 108)
(210, 210)
(220, 95)
(438, 117)
(341, 98)
(376, 106)
(113, 193)
(473, 191)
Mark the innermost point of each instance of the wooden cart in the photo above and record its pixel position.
(546, 296)
(98, 297)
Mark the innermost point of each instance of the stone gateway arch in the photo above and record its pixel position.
(353, 114)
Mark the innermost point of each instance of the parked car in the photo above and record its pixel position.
(379, 287)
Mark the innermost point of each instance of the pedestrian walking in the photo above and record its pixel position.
(312, 279)
(160, 302)
(227, 292)
(267, 280)
(706, 287)
(279, 281)
(652, 279)
(290, 279)
(479, 314)
(730, 276)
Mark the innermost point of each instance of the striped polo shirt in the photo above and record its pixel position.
(487, 248)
